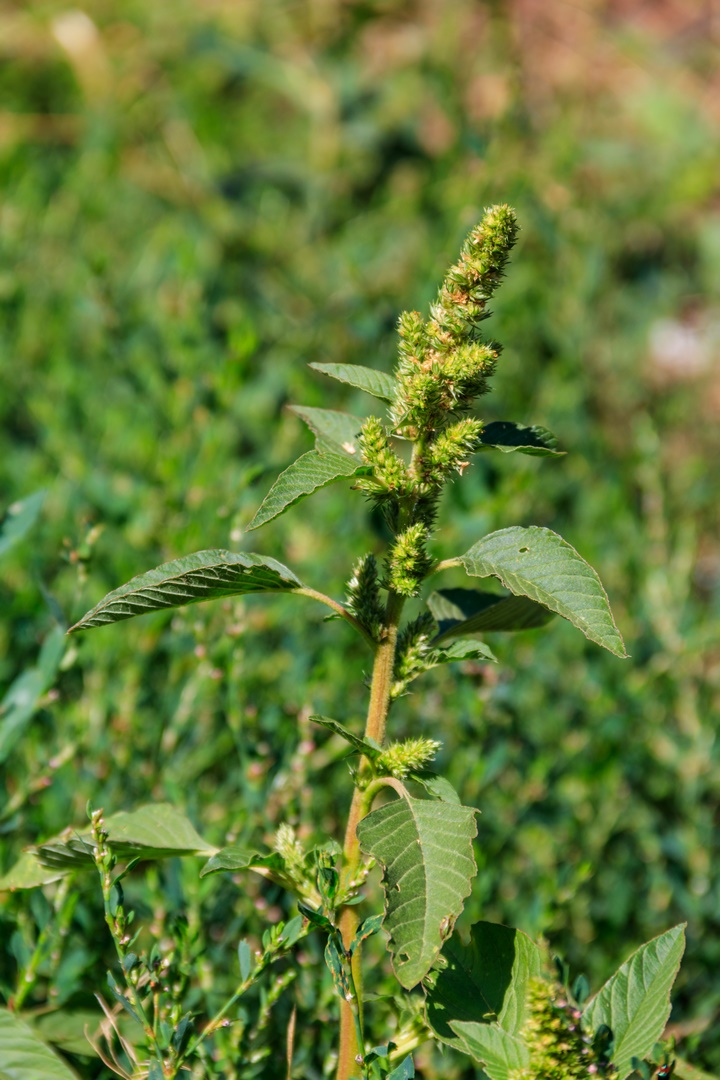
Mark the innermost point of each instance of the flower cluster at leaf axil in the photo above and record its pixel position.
(561, 1048)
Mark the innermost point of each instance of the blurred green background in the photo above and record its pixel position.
(198, 199)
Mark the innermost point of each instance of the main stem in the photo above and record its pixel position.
(348, 1066)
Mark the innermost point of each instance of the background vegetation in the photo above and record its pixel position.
(199, 199)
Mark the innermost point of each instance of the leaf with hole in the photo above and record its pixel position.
(206, 575)
(635, 1002)
(460, 612)
(539, 564)
(425, 848)
(508, 437)
(24, 1056)
(374, 382)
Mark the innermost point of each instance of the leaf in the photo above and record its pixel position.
(436, 786)
(635, 1002)
(24, 695)
(462, 650)
(20, 518)
(425, 848)
(538, 563)
(244, 959)
(270, 864)
(404, 1071)
(308, 474)
(336, 967)
(370, 380)
(499, 1052)
(156, 831)
(29, 873)
(367, 928)
(361, 745)
(23, 1055)
(67, 1029)
(484, 982)
(508, 437)
(459, 612)
(333, 430)
(206, 575)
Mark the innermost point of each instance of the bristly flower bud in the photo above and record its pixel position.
(452, 447)
(363, 597)
(408, 562)
(413, 652)
(401, 758)
(390, 475)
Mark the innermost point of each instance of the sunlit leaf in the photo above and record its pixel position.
(24, 1056)
(370, 380)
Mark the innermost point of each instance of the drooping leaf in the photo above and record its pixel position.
(20, 518)
(370, 380)
(425, 847)
(232, 858)
(206, 575)
(24, 695)
(484, 982)
(635, 1002)
(499, 1052)
(24, 1056)
(305, 476)
(459, 612)
(156, 831)
(506, 436)
(361, 745)
(456, 651)
(537, 563)
(333, 430)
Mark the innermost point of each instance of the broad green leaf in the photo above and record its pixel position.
(29, 873)
(508, 437)
(153, 832)
(24, 1056)
(459, 612)
(333, 430)
(404, 1071)
(20, 518)
(206, 575)
(484, 982)
(499, 1052)
(538, 563)
(23, 697)
(635, 1002)
(425, 847)
(308, 474)
(361, 745)
(232, 858)
(370, 380)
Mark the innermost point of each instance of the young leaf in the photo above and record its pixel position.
(206, 575)
(361, 745)
(152, 832)
(367, 928)
(370, 380)
(537, 563)
(305, 476)
(334, 430)
(508, 437)
(460, 612)
(425, 848)
(500, 1053)
(232, 858)
(23, 1055)
(635, 1002)
(20, 519)
(483, 982)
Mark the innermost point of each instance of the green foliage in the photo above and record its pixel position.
(197, 201)
(23, 1055)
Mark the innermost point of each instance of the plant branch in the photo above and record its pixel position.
(339, 609)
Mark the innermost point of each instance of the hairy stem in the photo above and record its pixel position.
(348, 1065)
